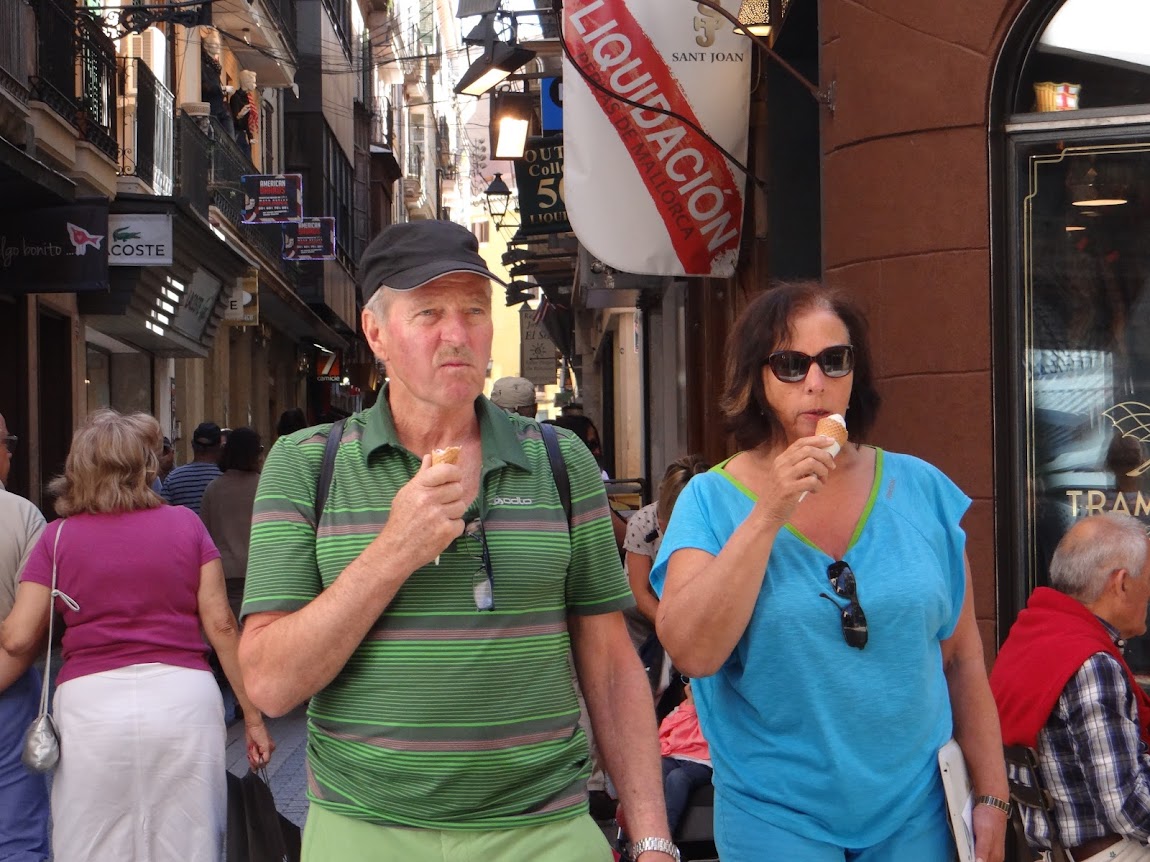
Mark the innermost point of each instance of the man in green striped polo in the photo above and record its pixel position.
(431, 613)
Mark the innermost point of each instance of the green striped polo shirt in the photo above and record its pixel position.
(445, 717)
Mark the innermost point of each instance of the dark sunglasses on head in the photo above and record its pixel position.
(10, 442)
(791, 366)
(852, 619)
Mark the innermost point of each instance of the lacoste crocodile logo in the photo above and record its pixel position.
(121, 234)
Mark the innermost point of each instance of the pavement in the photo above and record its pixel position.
(287, 773)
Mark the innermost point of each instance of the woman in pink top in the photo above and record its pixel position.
(142, 770)
(686, 757)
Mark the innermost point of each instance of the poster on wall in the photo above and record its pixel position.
(539, 178)
(272, 198)
(310, 239)
(675, 205)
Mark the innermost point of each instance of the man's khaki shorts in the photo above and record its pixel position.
(330, 837)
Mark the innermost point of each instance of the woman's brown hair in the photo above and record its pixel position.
(675, 479)
(111, 465)
(767, 325)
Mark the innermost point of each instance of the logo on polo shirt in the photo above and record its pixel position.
(513, 501)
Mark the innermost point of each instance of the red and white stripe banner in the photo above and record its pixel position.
(645, 192)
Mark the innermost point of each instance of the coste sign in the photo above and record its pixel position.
(140, 240)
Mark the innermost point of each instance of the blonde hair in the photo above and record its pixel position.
(111, 465)
(675, 479)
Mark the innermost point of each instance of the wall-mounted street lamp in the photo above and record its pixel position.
(499, 60)
(498, 200)
(756, 16)
(511, 116)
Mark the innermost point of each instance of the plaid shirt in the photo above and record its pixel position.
(1092, 759)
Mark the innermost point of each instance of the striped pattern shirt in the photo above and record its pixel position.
(1092, 760)
(185, 485)
(445, 717)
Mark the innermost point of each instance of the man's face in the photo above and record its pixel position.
(5, 452)
(436, 340)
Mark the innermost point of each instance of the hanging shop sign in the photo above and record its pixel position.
(329, 366)
(140, 240)
(674, 204)
(539, 177)
(55, 249)
(538, 356)
(551, 104)
(310, 239)
(196, 304)
(272, 198)
(243, 303)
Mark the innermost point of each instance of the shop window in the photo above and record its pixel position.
(1077, 376)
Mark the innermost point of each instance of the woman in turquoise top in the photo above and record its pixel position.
(823, 606)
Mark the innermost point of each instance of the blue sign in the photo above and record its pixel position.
(551, 109)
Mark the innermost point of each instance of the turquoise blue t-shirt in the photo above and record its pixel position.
(830, 742)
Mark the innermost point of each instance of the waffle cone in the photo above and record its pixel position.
(833, 426)
(450, 455)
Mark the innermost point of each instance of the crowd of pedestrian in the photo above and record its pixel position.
(440, 580)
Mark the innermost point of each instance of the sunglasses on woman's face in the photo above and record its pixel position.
(791, 366)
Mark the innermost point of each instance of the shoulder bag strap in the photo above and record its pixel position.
(558, 468)
(323, 485)
(70, 602)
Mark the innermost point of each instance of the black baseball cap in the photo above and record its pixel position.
(207, 434)
(408, 255)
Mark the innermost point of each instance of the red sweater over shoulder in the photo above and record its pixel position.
(1047, 645)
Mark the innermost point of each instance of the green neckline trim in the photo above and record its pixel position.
(721, 469)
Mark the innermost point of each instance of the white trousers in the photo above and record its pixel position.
(141, 774)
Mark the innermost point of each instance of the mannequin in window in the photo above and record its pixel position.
(246, 112)
(211, 85)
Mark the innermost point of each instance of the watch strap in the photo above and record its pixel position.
(652, 844)
(994, 802)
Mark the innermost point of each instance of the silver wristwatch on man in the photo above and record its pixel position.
(657, 845)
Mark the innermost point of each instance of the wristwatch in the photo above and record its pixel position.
(658, 845)
(993, 802)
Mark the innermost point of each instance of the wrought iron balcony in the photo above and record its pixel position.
(77, 71)
(147, 127)
(194, 163)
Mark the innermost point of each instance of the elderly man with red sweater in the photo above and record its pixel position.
(1063, 687)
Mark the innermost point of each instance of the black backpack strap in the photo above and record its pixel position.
(334, 438)
(558, 467)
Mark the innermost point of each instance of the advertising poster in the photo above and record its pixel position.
(272, 198)
(310, 239)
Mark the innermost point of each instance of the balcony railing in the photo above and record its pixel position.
(15, 53)
(194, 161)
(147, 127)
(77, 73)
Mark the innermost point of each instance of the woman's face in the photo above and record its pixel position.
(799, 406)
